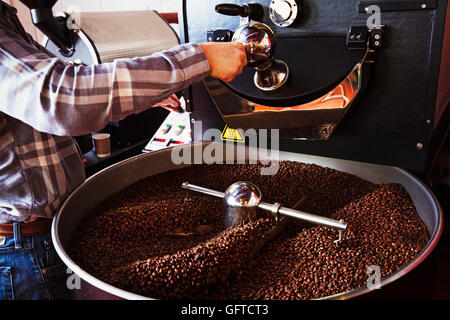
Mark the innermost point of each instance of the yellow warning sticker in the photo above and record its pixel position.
(229, 134)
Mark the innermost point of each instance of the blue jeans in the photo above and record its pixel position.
(30, 269)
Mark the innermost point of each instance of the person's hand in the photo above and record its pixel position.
(172, 103)
(226, 59)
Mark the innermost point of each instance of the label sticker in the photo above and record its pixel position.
(229, 134)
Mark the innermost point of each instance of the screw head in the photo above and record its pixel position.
(424, 6)
(419, 146)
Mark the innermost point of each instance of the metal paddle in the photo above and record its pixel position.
(241, 200)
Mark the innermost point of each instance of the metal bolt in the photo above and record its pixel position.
(358, 37)
(377, 43)
(428, 121)
(377, 37)
(193, 120)
(352, 37)
(424, 6)
(419, 146)
(340, 234)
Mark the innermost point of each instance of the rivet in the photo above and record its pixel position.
(424, 6)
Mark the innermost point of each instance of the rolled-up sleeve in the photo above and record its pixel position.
(65, 100)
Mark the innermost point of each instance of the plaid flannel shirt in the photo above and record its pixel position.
(43, 102)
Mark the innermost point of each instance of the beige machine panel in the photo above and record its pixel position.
(128, 34)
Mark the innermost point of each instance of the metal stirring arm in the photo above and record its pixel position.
(199, 189)
(315, 219)
(278, 209)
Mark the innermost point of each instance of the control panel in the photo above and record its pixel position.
(175, 130)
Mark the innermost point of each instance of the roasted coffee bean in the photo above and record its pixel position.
(155, 239)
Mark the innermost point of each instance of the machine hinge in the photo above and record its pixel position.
(359, 37)
(219, 35)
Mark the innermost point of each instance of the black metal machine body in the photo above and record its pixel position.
(398, 117)
(55, 28)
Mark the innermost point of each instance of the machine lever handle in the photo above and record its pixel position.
(254, 11)
(230, 9)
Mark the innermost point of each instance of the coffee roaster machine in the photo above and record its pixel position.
(366, 80)
(369, 80)
(360, 80)
(359, 86)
